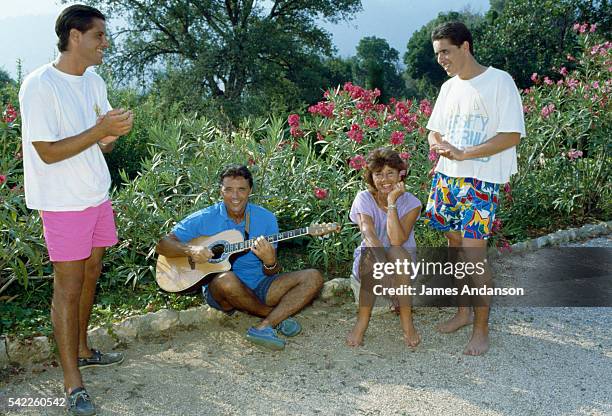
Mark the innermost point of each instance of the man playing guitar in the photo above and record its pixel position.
(253, 284)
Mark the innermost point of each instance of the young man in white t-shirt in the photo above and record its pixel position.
(67, 124)
(475, 126)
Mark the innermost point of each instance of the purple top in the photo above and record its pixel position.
(364, 203)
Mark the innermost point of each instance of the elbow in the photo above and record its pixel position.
(48, 159)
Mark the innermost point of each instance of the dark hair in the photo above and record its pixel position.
(455, 32)
(378, 159)
(234, 171)
(79, 17)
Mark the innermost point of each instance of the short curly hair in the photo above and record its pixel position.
(378, 159)
(236, 171)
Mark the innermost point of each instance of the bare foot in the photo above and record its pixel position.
(355, 337)
(479, 343)
(411, 335)
(456, 322)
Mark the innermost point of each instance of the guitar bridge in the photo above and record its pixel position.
(191, 263)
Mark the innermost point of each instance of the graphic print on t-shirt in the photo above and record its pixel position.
(467, 123)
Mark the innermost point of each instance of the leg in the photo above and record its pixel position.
(411, 335)
(231, 293)
(67, 290)
(479, 342)
(463, 316)
(93, 268)
(355, 337)
(290, 293)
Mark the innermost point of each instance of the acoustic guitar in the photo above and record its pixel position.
(178, 274)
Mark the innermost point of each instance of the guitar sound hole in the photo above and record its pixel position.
(217, 250)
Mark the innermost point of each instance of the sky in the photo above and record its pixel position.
(26, 27)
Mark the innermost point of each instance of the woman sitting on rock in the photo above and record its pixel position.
(385, 214)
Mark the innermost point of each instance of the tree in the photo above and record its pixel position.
(222, 49)
(5, 78)
(376, 65)
(536, 36)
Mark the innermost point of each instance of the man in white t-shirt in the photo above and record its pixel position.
(475, 126)
(67, 124)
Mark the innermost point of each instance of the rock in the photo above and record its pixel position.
(127, 329)
(163, 320)
(334, 287)
(194, 316)
(99, 338)
(28, 351)
(4, 358)
(542, 241)
(519, 247)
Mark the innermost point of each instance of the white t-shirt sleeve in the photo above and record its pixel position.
(436, 121)
(39, 113)
(510, 108)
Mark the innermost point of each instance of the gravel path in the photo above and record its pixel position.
(543, 361)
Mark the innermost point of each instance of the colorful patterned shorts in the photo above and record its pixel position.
(462, 204)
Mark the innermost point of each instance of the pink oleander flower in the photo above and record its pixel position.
(404, 155)
(570, 58)
(572, 83)
(2, 179)
(576, 27)
(355, 134)
(496, 226)
(322, 108)
(433, 156)
(595, 84)
(320, 193)
(525, 109)
(534, 77)
(563, 71)
(397, 138)
(505, 246)
(547, 110)
(574, 154)
(358, 162)
(548, 81)
(296, 132)
(560, 82)
(371, 122)
(583, 27)
(293, 120)
(507, 188)
(10, 114)
(425, 107)
(593, 28)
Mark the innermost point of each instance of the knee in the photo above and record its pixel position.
(314, 278)
(225, 283)
(454, 239)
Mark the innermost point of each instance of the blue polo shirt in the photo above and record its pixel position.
(214, 219)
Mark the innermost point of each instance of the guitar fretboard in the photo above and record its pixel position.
(245, 245)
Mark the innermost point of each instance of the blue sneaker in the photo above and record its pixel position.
(79, 403)
(265, 337)
(289, 327)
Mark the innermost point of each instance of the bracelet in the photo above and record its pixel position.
(391, 206)
(270, 267)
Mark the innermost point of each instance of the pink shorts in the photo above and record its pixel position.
(71, 235)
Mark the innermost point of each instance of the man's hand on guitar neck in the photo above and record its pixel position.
(199, 254)
(265, 251)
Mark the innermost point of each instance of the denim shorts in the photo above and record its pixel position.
(261, 291)
(467, 205)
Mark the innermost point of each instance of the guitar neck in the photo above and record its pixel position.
(287, 235)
